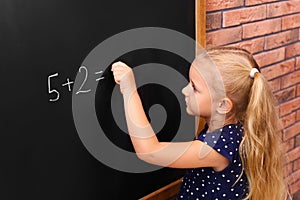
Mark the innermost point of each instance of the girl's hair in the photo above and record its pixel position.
(254, 106)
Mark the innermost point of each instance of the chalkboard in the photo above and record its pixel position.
(44, 46)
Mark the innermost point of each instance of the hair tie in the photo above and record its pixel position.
(253, 71)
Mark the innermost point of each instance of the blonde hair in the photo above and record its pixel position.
(254, 106)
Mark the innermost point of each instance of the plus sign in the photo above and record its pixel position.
(68, 83)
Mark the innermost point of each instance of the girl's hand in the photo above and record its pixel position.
(124, 76)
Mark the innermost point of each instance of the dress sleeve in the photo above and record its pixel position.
(224, 142)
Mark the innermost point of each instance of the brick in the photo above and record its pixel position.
(279, 69)
(293, 154)
(295, 188)
(275, 84)
(286, 94)
(244, 15)
(212, 5)
(290, 79)
(282, 8)
(291, 21)
(298, 115)
(289, 107)
(253, 46)
(295, 176)
(288, 120)
(224, 36)
(280, 39)
(297, 141)
(298, 91)
(297, 63)
(296, 195)
(296, 165)
(213, 21)
(288, 145)
(292, 50)
(255, 2)
(261, 28)
(291, 132)
(269, 57)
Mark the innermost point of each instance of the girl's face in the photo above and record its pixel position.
(197, 95)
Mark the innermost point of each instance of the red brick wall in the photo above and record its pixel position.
(270, 30)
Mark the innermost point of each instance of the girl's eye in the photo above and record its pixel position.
(193, 86)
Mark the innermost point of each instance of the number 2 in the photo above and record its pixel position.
(86, 75)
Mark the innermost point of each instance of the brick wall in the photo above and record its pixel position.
(270, 30)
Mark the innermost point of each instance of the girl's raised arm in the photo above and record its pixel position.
(177, 155)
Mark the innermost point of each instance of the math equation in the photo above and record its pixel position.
(54, 92)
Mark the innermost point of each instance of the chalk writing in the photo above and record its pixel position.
(85, 78)
(54, 92)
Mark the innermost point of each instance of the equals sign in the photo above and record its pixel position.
(100, 72)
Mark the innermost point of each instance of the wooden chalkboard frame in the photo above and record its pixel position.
(170, 191)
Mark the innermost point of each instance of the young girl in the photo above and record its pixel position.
(237, 155)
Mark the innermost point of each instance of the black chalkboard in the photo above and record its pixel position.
(42, 155)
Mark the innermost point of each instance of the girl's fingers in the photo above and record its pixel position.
(118, 75)
(119, 66)
(119, 69)
(117, 78)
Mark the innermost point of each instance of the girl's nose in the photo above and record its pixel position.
(187, 89)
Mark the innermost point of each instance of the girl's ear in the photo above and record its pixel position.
(224, 106)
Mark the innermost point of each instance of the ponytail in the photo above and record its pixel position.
(254, 106)
(262, 159)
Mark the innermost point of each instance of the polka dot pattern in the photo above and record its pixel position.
(205, 183)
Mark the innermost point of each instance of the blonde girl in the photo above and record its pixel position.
(237, 154)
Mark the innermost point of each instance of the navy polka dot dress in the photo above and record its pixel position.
(205, 183)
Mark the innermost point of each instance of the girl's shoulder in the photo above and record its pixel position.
(225, 140)
(230, 131)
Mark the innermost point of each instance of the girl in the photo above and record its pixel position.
(237, 155)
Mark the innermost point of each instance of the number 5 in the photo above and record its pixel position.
(51, 91)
